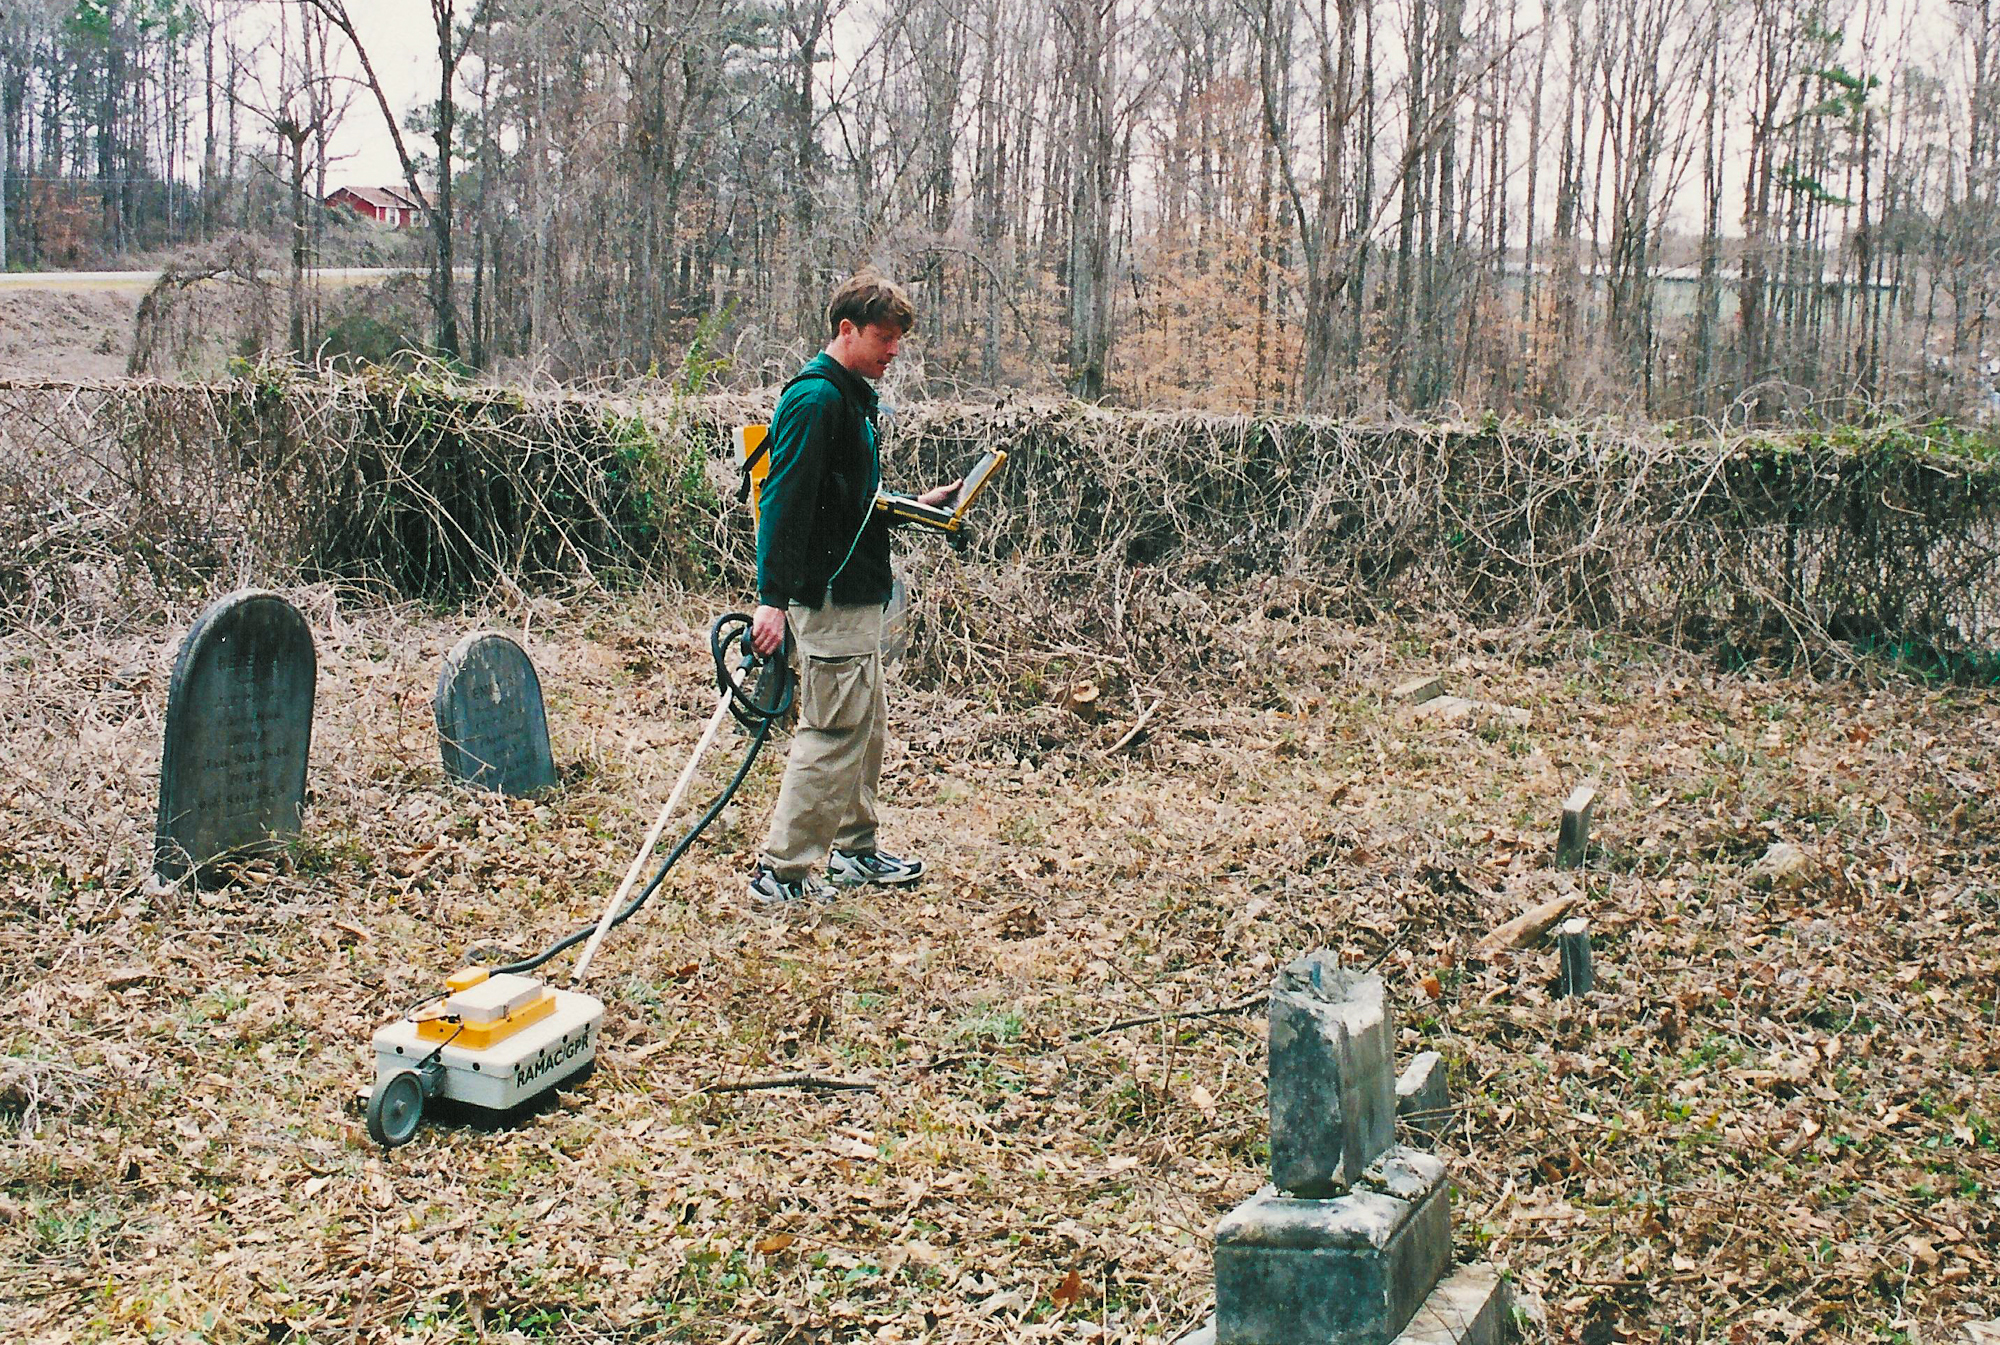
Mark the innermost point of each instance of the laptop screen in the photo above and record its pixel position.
(975, 480)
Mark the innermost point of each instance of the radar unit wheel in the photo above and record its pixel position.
(395, 1108)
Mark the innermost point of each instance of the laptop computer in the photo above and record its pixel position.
(946, 517)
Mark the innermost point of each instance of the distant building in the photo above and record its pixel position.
(393, 206)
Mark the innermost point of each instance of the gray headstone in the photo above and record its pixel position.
(1348, 1247)
(492, 728)
(1332, 1086)
(239, 727)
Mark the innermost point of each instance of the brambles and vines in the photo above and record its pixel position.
(1112, 535)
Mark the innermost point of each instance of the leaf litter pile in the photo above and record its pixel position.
(1011, 1104)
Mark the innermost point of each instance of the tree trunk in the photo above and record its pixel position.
(293, 136)
(1092, 26)
(1708, 299)
(442, 14)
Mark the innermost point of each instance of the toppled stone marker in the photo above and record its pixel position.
(1419, 689)
(238, 732)
(1526, 927)
(493, 730)
(1573, 841)
(1351, 1244)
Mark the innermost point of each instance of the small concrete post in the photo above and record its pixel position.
(1423, 1101)
(1573, 947)
(1574, 839)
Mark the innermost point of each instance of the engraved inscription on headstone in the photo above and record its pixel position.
(492, 728)
(239, 726)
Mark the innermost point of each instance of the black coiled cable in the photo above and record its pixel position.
(760, 691)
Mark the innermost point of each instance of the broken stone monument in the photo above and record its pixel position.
(1351, 1243)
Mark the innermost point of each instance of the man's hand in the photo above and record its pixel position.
(767, 629)
(937, 495)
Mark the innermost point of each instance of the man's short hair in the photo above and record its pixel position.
(870, 298)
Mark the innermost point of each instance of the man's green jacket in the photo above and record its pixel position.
(819, 536)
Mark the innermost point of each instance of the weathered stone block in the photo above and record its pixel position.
(1573, 950)
(1423, 1100)
(1419, 689)
(1470, 1307)
(1573, 841)
(1332, 1093)
(1346, 1271)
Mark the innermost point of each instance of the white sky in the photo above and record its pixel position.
(400, 46)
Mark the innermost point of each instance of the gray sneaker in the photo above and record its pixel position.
(853, 868)
(768, 889)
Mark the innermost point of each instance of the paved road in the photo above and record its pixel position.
(11, 281)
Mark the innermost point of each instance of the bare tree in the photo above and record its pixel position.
(300, 102)
(451, 39)
(1102, 96)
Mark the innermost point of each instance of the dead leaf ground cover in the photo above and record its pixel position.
(1777, 1119)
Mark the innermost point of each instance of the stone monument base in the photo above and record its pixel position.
(1347, 1270)
(1469, 1307)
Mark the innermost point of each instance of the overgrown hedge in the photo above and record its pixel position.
(113, 494)
(116, 495)
(1750, 544)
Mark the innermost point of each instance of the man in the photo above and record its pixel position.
(823, 568)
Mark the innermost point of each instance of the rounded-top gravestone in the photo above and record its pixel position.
(239, 727)
(492, 728)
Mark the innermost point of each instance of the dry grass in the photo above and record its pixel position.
(1779, 1118)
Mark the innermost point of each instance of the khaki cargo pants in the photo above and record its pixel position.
(828, 795)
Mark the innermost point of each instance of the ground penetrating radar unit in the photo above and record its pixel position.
(496, 1044)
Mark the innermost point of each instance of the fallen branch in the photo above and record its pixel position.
(1526, 927)
(806, 1081)
(1221, 1011)
(1137, 724)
